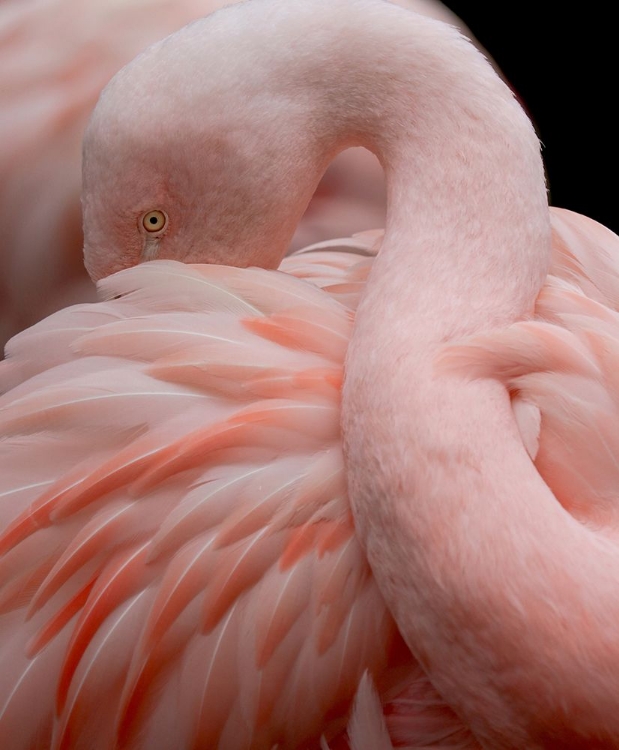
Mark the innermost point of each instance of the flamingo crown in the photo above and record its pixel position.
(208, 147)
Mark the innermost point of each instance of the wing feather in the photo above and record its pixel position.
(184, 537)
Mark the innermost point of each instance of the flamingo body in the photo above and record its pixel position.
(179, 558)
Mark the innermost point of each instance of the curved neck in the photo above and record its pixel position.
(483, 570)
(467, 220)
(318, 76)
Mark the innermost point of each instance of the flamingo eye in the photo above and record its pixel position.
(154, 221)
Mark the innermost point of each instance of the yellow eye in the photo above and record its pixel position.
(154, 221)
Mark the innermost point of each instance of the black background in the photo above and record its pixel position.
(562, 64)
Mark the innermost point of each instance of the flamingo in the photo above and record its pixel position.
(56, 72)
(179, 562)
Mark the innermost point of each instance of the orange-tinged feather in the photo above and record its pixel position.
(288, 602)
(300, 542)
(60, 619)
(236, 573)
(186, 576)
(121, 579)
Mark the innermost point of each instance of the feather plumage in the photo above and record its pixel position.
(211, 527)
(150, 536)
(226, 512)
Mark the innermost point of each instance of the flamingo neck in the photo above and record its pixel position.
(483, 570)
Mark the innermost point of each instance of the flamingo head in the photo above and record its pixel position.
(189, 156)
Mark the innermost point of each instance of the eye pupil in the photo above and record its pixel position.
(153, 220)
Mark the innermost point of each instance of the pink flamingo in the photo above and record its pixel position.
(179, 565)
(56, 69)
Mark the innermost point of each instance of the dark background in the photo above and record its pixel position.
(563, 66)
